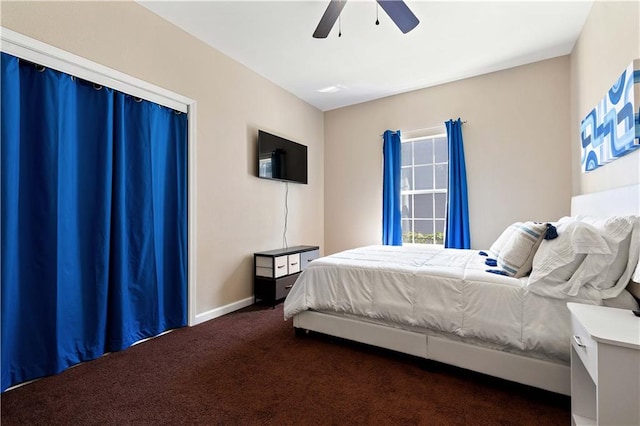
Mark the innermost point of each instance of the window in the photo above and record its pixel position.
(425, 167)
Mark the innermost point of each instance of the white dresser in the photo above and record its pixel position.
(605, 366)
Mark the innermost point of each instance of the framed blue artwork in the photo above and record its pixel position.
(612, 128)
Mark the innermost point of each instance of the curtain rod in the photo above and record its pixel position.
(429, 128)
(426, 128)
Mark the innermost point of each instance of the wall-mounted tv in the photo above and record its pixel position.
(281, 159)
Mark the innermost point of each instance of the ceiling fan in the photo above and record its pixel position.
(397, 10)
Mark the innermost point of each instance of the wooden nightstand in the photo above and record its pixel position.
(605, 366)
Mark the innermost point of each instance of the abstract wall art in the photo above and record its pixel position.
(612, 128)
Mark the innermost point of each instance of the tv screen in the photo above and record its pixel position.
(281, 159)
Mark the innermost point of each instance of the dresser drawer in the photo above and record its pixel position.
(283, 286)
(271, 267)
(280, 264)
(293, 261)
(307, 256)
(585, 347)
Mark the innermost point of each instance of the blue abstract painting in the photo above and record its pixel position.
(612, 128)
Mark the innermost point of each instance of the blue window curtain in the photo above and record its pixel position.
(391, 209)
(93, 241)
(457, 232)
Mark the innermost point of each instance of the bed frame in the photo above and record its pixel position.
(551, 376)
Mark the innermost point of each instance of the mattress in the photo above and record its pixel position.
(442, 291)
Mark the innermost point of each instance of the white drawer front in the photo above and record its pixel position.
(280, 264)
(308, 256)
(294, 263)
(586, 348)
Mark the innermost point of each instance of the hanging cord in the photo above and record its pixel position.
(377, 20)
(286, 216)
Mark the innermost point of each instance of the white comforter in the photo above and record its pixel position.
(436, 290)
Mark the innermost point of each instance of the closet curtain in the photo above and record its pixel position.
(457, 234)
(94, 220)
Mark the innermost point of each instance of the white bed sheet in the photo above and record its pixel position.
(446, 291)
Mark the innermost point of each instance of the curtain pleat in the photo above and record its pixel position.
(80, 221)
(457, 232)
(391, 205)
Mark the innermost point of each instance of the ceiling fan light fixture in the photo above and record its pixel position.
(331, 89)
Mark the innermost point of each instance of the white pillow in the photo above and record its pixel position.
(616, 231)
(623, 301)
(634, 285)
(558, 259)
(516, 257)
(498, 245)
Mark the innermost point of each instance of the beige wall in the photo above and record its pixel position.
(237, 213)
(609, 41)
(521, 138)
(517, 154)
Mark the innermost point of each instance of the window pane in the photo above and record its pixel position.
(425, 168)
(423, 151)
(406, 153)
(424, 206)
(407, 205)
(407, 234)
(407, 179)
(424, 177)
(442, 172)
(424, 227)
(441, 205)
(441, 150)
(439, 235)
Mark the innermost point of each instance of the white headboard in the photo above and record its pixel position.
(621, 201)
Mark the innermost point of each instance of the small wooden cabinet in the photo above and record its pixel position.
(275, 271)
(605, 366)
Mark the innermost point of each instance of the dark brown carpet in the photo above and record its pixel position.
(249, 368)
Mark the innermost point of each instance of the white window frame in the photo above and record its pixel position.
(424, 191)
(32, 50)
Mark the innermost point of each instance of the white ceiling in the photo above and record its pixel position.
(454, 40)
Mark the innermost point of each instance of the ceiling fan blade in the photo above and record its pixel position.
(329, 18)
(400, 14)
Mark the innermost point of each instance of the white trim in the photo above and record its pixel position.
(193, 203)
(49, 56)
(437, 135)
(41, 53)
(143, 340)
(223, 310)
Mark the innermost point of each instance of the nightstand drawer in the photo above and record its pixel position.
(308, 256)
(585, 347)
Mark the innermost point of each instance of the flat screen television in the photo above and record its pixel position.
(281, 159)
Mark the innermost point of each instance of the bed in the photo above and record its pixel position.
(445, 305)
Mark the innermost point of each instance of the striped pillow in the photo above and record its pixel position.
(516, 257)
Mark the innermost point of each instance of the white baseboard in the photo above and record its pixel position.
(223, 310)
